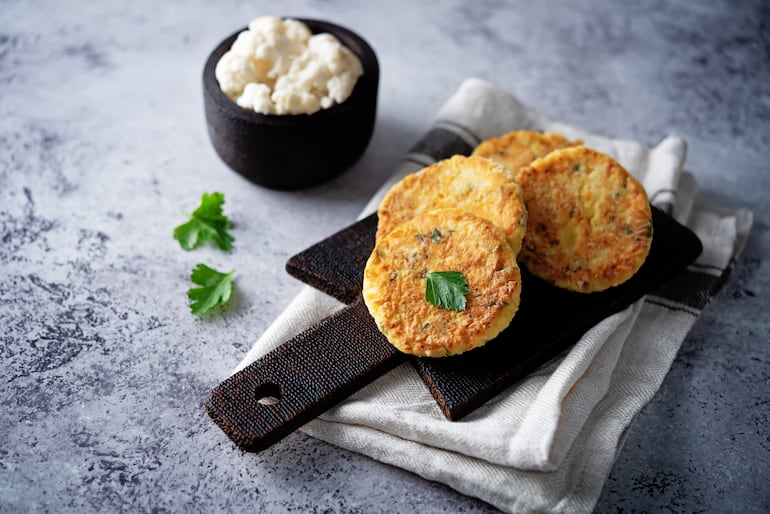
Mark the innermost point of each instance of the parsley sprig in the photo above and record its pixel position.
(207, 223)
(216, 288)
(446, 289)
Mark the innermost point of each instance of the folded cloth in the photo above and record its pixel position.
(549, 442)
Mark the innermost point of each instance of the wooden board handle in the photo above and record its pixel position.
(302, 378)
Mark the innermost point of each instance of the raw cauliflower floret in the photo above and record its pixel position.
(302, 88)
(256, 96)
(295, 102)
(326, 71)
(292, 29)
(344, 67)
(276, 46)
(233, 73)
(278, 67)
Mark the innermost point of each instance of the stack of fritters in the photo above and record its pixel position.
(573, 216)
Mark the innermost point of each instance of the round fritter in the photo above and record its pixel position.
(473, 184)
(590, 222)
(520, 147)
(442, 240)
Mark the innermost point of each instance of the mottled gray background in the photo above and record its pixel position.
(104, 372)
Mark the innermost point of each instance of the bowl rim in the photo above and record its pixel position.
(362, 50)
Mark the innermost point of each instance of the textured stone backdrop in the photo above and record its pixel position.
(103, 147)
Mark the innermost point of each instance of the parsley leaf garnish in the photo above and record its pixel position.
(446, 289)
(216, 288)
(207, 223)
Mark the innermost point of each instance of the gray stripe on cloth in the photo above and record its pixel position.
(689, 288)
(441, 143)
(462, 131)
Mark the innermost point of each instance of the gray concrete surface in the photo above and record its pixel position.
(103, 371)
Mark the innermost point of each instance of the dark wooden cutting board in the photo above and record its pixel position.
(324, 365)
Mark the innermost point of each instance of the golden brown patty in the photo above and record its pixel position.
(520, 147)
(590, 223)
(442, 240)
(473, 184)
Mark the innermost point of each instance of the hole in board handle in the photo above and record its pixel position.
(268, 394)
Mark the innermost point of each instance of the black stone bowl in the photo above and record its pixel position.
(299, 150)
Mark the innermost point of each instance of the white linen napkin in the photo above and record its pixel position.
(549, 442)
